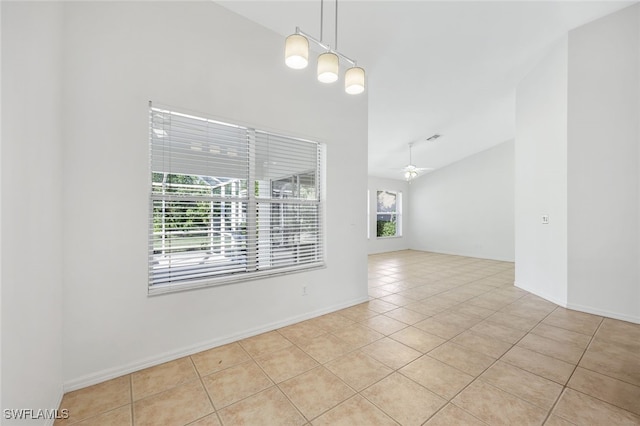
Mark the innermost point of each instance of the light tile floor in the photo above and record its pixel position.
(443, 340)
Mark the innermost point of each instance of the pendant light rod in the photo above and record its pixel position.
(325, 46)
(321, 18)
(336, 40)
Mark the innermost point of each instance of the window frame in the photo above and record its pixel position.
(397, 213)
(251, 203)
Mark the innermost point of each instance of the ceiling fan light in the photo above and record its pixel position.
(328, 67)
(354, 81)
(296, 51)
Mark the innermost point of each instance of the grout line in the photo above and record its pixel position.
(133, 420)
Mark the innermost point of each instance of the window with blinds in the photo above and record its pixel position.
(229, 203)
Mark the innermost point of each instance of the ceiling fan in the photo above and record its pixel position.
(410, 170)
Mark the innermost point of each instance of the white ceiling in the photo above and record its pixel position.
(443, 67)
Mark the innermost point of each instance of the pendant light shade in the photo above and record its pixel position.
(296, 51)
(354, 80)
(328, 67)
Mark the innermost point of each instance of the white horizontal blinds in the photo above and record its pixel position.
(288, 220)
(198, 198)
(229, 201)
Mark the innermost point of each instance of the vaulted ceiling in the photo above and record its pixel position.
(445, 67)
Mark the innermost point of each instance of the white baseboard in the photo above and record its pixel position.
(535, 291)
(112, 373)
(465, 254)
(57, 400)
(604, 313)
(581, 308)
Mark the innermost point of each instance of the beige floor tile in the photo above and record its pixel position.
(442, 301)
(267, 408)
(380, 306)
(378, 292)
(162, 377)
(526, 310)
(397, 299)
(498, 331)
(219, 358)
(264, 343)
(528, 386)
(316, 391)
(463, 359)
(420, 300)
(118, 417)
(417, 339)
(358, 370)
(301, 332)
(542, 365)
(384, 325)
(472, 310)
(354, 411)
(583, 409)
(497, 407)
(451, 415)
(210, 420)
(620, 332)
(326, 347)
(405, 315)
(608, 389)
(235, 383)
(96, 399)
(562, 335)
(286, 363)
(483, 302)
(613, 359)
(457, 319)
(391, 353)
(332, 322)
(446, 331)
(565, 351)
(579, 322)
(403, 399)
(358, 335)
(179, 405)
(484, 344)
(425, 309)
(437, 376)
(358, 313)
(554, 420)
(513, 321)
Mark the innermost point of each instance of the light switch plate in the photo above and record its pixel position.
(545, 219)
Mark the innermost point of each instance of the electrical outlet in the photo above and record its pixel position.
(545, 219)
(304, 290)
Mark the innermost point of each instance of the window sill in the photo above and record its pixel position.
(233, 279)
(389, 238)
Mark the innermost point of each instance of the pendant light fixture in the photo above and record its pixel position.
(296, 54)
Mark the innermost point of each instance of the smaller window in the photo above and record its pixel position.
(388, 223)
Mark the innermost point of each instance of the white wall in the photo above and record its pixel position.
(387, 244)
(604, 166)
(541, 178)
(201, 57)
(31, 207)
(578, 160)
(466, 208)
